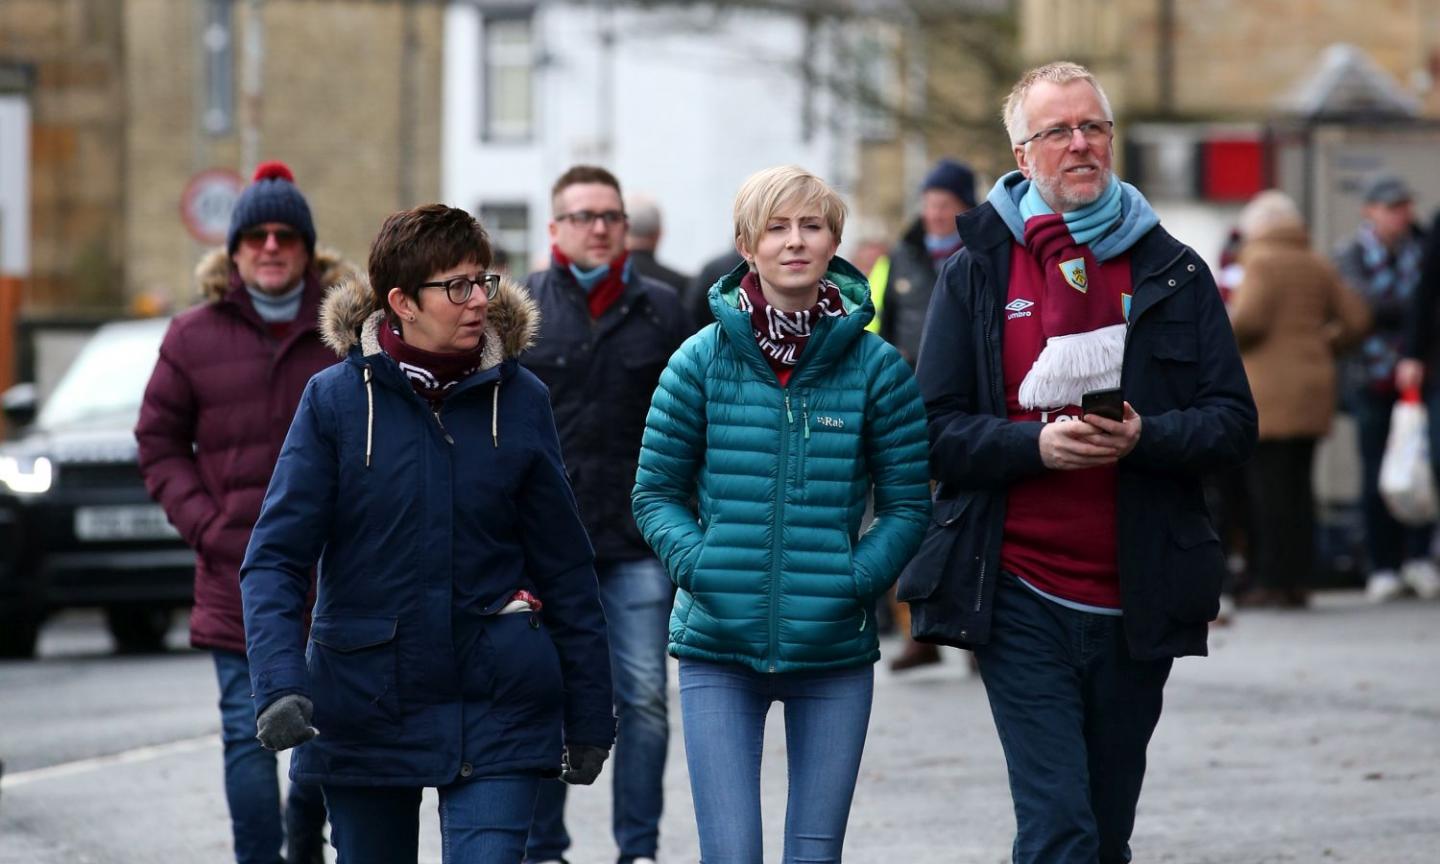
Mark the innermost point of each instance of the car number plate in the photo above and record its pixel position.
(129, 522)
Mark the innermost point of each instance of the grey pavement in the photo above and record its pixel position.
(1306, 737)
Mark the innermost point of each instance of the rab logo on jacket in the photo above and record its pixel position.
(1074, 273)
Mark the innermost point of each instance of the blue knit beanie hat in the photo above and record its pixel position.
(272, 197)
(955, 178)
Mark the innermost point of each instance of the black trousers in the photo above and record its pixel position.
(1282, 509)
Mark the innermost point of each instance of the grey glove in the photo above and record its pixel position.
(286, 723)
(581, 763)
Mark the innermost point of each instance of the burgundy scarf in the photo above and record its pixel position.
(431, 374)
(782, 335)
(607, 291)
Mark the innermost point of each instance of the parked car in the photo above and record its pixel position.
(77, 526)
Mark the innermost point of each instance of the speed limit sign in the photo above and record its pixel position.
(207, 201)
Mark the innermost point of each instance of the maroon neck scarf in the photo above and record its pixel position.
(782, 335)
(431, 374)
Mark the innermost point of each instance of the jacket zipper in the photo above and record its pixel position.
(804, 439)
(441, 424)
(980, 587)
(777, 533)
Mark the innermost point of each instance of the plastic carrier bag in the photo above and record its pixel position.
(1406, 482)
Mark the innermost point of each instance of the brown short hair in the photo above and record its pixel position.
(765, 192)
(578, 174)
(413, 244)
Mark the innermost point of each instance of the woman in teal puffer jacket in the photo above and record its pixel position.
(779, 420)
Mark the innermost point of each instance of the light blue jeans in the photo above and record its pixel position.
(636, 596)
(827, 714)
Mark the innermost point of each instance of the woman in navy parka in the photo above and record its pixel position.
(457, 639)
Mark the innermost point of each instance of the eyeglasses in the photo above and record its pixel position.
(1094, 131)
(586, 218)
(459, 288)
(258, 237)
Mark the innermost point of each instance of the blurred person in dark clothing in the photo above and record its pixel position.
(1420, 367)
(606, 333)
(948, 191)
(902, 297)
(1291, 314)
(1383, 262)
(642, 238)
(713, 271)
(223, 392)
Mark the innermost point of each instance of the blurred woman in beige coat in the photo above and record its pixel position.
(1292, 314)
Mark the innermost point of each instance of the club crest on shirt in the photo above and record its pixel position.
(1125, 306)
(1074, 273)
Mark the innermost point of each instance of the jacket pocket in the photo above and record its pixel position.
(1196, 568)
(526, 681)
(1177, 358)
(923, 575)
(352, 665)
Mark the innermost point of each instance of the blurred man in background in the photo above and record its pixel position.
(1382, 261)
(606, 333)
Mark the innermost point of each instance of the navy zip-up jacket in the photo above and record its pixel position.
(1183, 375)
(424, 525)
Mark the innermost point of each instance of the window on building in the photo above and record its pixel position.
(508, 67)
(509, 229)
(217, 47)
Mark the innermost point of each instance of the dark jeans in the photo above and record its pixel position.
(1283, 511)
(482, 821)
(251, 786)
(636, 597)
(1387, 542)
(1074, 713)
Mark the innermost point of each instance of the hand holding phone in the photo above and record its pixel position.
(1104, 403)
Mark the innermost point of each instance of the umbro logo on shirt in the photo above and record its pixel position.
(1018, 308)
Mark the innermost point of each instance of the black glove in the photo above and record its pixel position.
(581, 763)
(286, 723)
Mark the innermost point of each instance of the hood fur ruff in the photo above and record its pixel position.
(348, 317)
(212, 274)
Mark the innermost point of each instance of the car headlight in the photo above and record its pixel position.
(27, 476)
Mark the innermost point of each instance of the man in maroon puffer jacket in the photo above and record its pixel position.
(216, 411)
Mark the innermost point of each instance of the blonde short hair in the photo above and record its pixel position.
(765, 192)
(1017, 125)
(1267, 211)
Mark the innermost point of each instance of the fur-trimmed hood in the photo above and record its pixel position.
(212, 274)
(348, 317)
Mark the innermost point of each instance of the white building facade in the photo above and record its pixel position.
(680, 103)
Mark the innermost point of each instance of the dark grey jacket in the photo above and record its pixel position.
(907, 293)
(601, 375)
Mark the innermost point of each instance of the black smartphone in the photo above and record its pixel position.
(1104, 403)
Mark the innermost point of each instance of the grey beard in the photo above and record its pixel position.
(1050, 192)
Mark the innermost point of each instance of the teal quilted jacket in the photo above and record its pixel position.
(772, 570)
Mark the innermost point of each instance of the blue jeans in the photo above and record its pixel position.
(252, 788)
(482, 821)
(1075, 714)
(636, 597)
(827, 713)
